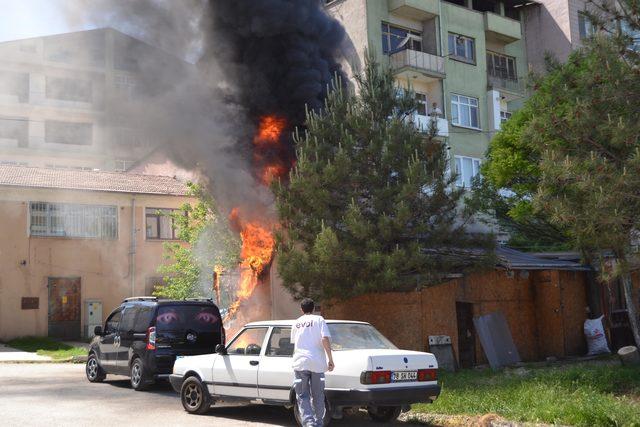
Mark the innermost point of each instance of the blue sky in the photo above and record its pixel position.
(31, 18)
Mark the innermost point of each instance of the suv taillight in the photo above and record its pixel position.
(427, 374)
(151, 338)
(375, 377)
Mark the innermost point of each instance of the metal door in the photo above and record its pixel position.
(64, 307)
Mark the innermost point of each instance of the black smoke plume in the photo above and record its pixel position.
(247, 59)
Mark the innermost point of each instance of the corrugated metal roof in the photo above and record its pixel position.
(515, 260)
(115, 182)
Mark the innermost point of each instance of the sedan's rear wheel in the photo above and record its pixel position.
(327, 416)
(384, 414)
(195, 396)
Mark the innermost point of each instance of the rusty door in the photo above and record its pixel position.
(64, 307)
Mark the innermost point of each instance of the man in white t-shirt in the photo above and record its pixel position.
(311, 359)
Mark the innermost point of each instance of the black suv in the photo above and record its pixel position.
(144, 335)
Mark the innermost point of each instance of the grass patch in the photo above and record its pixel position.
(44, 346)
(579, 395)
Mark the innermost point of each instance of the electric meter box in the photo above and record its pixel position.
(93, 316)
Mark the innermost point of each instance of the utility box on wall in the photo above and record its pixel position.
(93, 316)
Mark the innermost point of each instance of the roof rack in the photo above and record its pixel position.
(199, 299)
(140, 299)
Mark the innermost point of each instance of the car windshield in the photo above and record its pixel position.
(355, 336)
(199, 318)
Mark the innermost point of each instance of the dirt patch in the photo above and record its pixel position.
(487, 420)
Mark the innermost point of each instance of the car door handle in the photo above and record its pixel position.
(254, 362)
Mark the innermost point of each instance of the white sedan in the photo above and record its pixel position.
(255, 367)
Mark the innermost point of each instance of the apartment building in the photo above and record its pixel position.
(61, 99)
(554, 27)
(465, 59)
(75, 243)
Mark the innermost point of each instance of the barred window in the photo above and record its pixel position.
(72, 220)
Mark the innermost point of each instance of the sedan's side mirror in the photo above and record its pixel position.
(221, 350)
(98, 330)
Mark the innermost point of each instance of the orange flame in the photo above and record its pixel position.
(270, 129)
(266, 143)
(270, 162)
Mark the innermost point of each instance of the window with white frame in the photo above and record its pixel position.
(462, 48)
(464, 111)
(160, 224)
(421, 100)
(466, 169)
(504, 116)
(73, 220)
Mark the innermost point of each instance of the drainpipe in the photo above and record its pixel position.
(132, 248)
(444, 81)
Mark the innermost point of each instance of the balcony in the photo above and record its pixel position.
(423, 124)
(417, 10)
(510, 87)
(413, 63)
(500, 28)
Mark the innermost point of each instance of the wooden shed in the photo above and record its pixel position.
(543, 300)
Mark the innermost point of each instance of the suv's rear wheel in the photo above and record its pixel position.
(195, 396)
(139, 377)
(95, 373)
(384, 414)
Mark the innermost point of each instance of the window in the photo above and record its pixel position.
(396, 38)
(504, 116)
(585, 26)
(280, 342)
(421, 99)
(128, 319)
(466, 168)
(71, 220)
(248, 342)
(15, 84)
(462, 48)
(122, 165)
(160, 224)
(355, 336)
(464, 111)
(501, 66)
(69, 89)
(111, 326)
(15, 129)
(68, 133)
(125, 84)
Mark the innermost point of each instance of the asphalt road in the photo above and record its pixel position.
(60, 395)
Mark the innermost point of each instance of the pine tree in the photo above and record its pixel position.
(370, 204)
(587, 130)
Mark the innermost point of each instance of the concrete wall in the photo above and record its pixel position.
(545, 311)
(102, 265)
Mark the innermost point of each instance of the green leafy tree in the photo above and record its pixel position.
(510, 179)
(587, 130)
(206, 243)
(370, 205)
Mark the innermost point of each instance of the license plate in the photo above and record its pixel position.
(404, 376)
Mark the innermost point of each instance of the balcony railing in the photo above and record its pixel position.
(423, 124)
(432, 65)
(499, 81)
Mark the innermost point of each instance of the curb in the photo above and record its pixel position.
(73, 359)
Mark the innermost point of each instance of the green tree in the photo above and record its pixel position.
(206, 243)
(510, 178)
(587, 130)
(370, 205)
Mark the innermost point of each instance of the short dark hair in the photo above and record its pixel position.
(307, 305)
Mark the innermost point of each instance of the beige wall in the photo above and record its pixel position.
(551, 26)
(102, 265)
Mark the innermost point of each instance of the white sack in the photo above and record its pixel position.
(596, 339)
